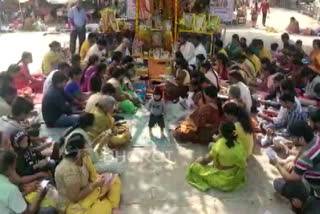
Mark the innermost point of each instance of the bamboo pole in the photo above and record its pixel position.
(175, 20)
(137, 16)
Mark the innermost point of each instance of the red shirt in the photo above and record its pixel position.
(264, 7)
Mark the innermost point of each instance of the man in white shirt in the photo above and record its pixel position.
(199, 50)
(98, 49)
(187, 49)
(124, 47)
(77, 18)
(11, 199)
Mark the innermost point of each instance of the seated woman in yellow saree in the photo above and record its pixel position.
(243, 124)
(81, 190)
(228, 169)
(104, 121)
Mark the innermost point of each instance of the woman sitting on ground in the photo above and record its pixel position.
(202, 123)
(72, 89)
(103, 161)
(242, 122)
(104, 121)
(315, 56)
(228, 169)
(52, 58)
(268, 69)
(237, 79)
(128, 82)
(211, 76)
(222, 64)
(81, 190)
(89, 71)
(311, 81)
(178, 87)
(23, 79)
(234, 94)
(97, 79)
(248, 67)
(293, 27)
(194, 98)
(126, 101)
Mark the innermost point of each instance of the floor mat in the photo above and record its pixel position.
(54, 133)
(139, 129)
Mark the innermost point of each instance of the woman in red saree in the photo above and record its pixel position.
(203, 122)
(222, 64)
(24, 79)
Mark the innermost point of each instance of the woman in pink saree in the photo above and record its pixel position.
(293, 27)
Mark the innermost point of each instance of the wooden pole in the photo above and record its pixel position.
(137, 16)
(175, 20)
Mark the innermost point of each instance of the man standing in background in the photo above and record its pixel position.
(265, 9)
(77, 18)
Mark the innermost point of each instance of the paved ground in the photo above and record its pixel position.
(154, 181)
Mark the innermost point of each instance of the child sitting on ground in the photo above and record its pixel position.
(157, 110)
(72, 89)
(29, 161)
(274, 51)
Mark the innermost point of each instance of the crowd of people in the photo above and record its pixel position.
(224, 110)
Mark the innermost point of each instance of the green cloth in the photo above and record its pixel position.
(233, 50)
(127, 106)
(205, 177)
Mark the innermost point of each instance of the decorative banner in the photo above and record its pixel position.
(222, 8)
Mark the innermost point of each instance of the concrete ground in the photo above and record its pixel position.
(154, 181)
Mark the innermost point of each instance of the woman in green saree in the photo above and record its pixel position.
(224, 168)
(126, 102)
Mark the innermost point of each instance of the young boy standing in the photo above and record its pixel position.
(157, 110)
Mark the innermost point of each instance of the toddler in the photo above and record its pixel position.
(157, 110)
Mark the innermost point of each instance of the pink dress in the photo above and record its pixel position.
(23, 80)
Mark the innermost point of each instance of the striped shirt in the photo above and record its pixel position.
(308, 164)
(291, 116)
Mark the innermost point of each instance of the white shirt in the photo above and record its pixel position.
(188, 51)
(94, 50)
(120, 49)
(198, 50)
(5, 108)
(11, 199)
(245, 95)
